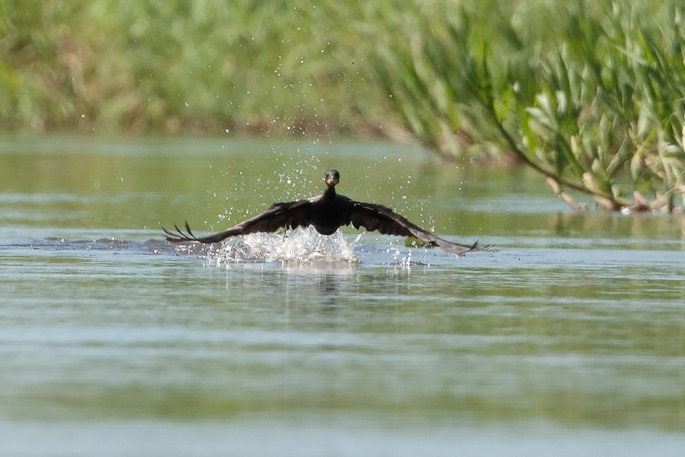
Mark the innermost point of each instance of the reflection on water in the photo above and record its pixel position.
(570, 340)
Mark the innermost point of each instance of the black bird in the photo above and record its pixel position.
(326, 212)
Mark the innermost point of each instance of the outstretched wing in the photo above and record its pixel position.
(386, 221)
(278, 215)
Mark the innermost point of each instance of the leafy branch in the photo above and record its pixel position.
(597, 108)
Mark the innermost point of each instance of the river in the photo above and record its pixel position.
(567, 340)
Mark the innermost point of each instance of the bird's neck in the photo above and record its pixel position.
(329, 192)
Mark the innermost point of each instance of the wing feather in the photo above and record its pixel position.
(384, 220)
(278, 215)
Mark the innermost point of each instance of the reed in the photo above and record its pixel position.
(104, 66)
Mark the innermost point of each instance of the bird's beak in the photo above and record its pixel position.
(331, 180)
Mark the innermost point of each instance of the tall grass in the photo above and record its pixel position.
(175, 66)
(592, 98)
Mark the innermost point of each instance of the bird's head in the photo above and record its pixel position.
(332, 178)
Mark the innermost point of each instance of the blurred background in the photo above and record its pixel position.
(591, 96)
(187, 67)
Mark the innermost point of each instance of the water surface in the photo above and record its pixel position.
(569, 340)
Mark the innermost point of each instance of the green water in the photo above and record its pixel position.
(569, 340)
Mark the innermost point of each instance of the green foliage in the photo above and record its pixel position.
(181, 65)
(595, 103)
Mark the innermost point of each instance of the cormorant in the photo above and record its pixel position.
(326, 212)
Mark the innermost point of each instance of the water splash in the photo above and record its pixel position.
(293, 246)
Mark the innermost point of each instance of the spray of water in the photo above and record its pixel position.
(292, 246)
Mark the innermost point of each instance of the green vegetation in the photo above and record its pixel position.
(180, 66)
(592, 96)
